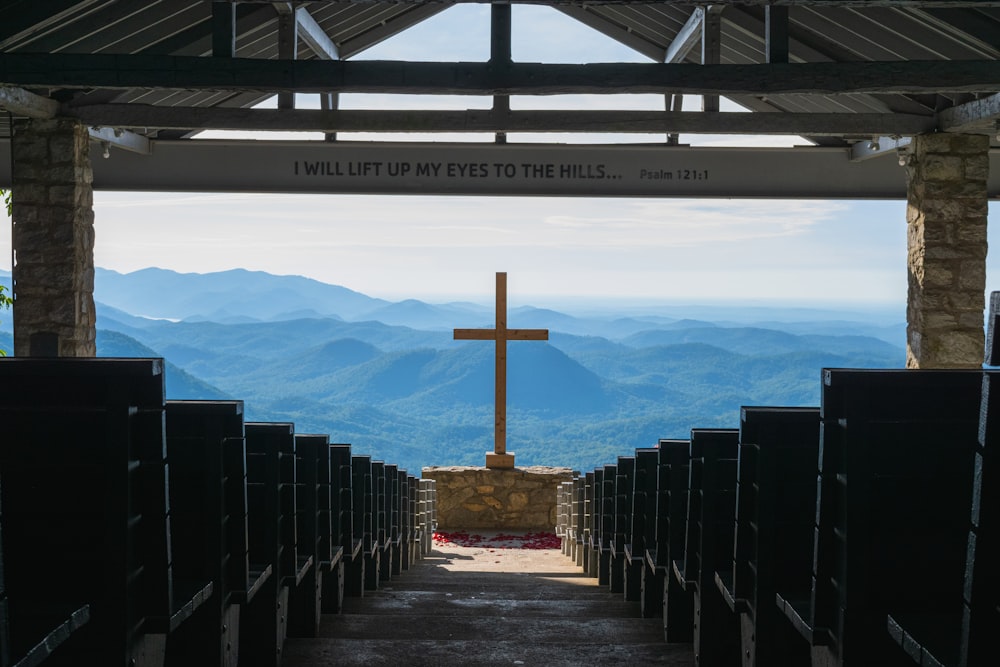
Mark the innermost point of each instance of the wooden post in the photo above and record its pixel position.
(499, 457)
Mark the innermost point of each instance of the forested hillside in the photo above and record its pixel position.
(599, 387)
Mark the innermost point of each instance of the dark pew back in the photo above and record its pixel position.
(642, 527)
(83, 470)
(710, 535)
(896, 460)
(671, 530)
(775, 522)
(206, 452)
(272, 539)
(981, 594)
(624, 477)
(342, 528)
(364, 526)
(313, 531)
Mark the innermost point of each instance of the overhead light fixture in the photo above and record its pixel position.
(904, 155)
(873, 145)
(107, 149)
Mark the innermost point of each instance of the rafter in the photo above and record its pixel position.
(124, 139)
(25, 103)
(687, 37)
(752, 3)
(976, 116)
(315, 37)
(877, 146)
(315, 76)
(487, 120)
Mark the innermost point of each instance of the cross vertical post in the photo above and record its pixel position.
(499, 457)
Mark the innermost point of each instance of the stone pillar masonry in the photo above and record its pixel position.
(946, 240)
(53, 240)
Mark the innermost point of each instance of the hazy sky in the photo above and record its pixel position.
(439, 248)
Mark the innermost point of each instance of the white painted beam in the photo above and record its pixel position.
(977, 115)
(313, 34)
(124, 139)
(686, 37)
(420, 168)
(877, 146)
(25, 103)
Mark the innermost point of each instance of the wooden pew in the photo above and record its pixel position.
(643, 520)
(775, 519)
(27, 637)
(405, 521)
(272, 539)
(587, 530)
(593, 558)
(377, 567)
(413, 521)
(896, 461)
(564, 503)
(363, 502)
(710, 527)
(661, 589)
(961, 629)
(393, 517)
(314, 532)
(981, 593)
(342, 528)
(964, 633)
(607, 524)
(406, 557)
(623, 521)
(577, 518)
(206, 452)
(428, 515)
(83, 467)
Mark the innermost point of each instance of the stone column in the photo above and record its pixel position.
(946, 238)
(53, 240)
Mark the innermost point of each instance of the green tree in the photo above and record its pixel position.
(5, 300)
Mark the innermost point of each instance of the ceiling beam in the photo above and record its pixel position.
(488, 120)
(711, 52)
(124, 139)
(23, 17)
(686, 37)
(776, 34)
(315, 76)
(223, 29)
(25, 103)
(652, 170)
(877, 146)
(315, 37)
(753, 3)
(976, 116)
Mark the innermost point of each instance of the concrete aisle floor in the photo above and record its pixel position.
(485, 605)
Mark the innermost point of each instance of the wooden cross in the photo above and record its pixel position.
(499, 458)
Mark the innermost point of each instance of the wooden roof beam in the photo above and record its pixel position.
(856, 4)
(464, 78)
(315, 37)
(977, 116)
(25, 103)
(489, 120)
(124, 139)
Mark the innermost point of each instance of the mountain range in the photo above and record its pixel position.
(387, 376)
